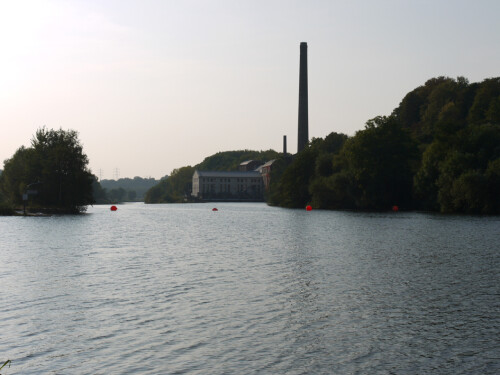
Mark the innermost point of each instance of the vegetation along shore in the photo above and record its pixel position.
(439, 150)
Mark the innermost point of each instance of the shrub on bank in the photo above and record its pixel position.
(6, 210)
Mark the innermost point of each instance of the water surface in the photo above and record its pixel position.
(250, 289)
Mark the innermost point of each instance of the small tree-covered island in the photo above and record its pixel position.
(439, 150)
(51, 176)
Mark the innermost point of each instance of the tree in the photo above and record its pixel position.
(138, 184)
(19, 171)
(302, 181)
(99, 193)
(55, 162)
(174, 189)
(117, 195)
(485, 103)
(293, 188)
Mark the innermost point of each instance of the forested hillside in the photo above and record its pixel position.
(439, 150)
(127, 189)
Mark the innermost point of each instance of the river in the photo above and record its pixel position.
(249, 289)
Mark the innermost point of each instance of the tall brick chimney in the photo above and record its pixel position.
(303, 136)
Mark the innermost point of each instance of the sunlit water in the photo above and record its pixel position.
(250, 289)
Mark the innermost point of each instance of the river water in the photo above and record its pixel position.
(250, 289)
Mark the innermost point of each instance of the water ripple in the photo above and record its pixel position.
(256, 290)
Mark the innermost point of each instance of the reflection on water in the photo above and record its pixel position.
(249, 289)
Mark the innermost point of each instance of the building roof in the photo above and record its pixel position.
(246, 162)
(269, 163)
(227, 174)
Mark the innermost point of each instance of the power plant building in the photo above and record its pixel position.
(253, 177)
(217, 185)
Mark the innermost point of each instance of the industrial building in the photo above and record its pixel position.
(253, 177)
(238, 186)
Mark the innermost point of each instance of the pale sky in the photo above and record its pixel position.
(155, 85)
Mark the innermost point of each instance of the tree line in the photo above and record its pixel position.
(439, 150)
(125, 189)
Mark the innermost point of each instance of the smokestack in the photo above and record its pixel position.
(303, 136)
(284, 145)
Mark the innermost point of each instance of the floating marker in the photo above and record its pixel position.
(395, 208)
(308, 208)
(215, 209)
(113, 208)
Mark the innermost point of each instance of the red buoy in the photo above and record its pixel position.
(308, 208)
(113, 208)
(395, 208)
(215, 209)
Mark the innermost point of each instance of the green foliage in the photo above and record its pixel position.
(19, 171)
(7, 362)
(439, 150)
(441, 99)
(372, 170)
(485, 105)
(294, 184)
(273, 195)
(56, 167)
(99, 194)
(380, 162)
(137, 185)
(459, 174)
(425, 180)
(174, 189)
(117, 195)
(131, 195)
(291, 180)
(6, 209)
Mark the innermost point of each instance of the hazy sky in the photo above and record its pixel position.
(155, 85)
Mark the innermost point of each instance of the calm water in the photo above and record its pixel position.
(250, 289)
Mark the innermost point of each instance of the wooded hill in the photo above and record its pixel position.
(127, 189)
(439, 150)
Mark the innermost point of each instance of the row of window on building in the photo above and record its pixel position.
(226, 188)
(238, 180)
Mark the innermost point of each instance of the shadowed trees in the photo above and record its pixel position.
(372, 170)
(439, 150)
(173, 189)
(54, 168)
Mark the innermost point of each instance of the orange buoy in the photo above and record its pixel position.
(113, 208)
(215, 209)
(395, 208)
(308, 208)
